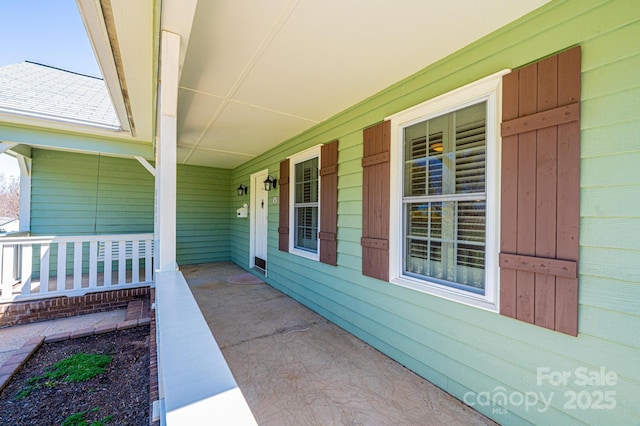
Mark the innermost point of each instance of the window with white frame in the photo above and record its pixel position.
(305, 203)
(444, 219)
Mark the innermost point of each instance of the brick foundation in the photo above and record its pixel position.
(63, 307)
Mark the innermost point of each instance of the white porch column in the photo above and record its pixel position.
(25, 193)
(166, 149)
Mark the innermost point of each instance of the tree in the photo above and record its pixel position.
(9, 196)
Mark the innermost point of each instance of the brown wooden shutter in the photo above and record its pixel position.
(540, 193)
(329, 203)
(375, 201)
(283, 228)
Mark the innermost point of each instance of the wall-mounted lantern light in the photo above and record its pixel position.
(242, 190)
(271, 182)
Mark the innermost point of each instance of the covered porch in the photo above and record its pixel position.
(295, 367)
(219, 100)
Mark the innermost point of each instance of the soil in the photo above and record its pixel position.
(122, 391)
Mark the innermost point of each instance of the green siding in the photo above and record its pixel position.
(461, 348)
(203, 215)
(81, 194)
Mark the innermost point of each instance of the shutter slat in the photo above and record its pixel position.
(568, 193)
(546, 206)
(329, 203)
(508, 195)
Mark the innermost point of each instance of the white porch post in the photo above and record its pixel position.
(166, 148)
(25, 193)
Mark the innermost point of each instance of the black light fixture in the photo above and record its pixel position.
(242, 190)
(270, 182)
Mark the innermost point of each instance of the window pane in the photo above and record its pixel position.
(415, 159)
(306, 178)
(424, 161)
(471, 237)
(470, 137)
(445, 241)
(306, 237)
(446, 154)
(426, 248)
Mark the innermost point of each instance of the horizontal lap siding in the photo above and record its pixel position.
(460, 348)
(203, 216)
(76, 194)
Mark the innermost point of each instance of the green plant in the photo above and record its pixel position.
(78, 419)
(79, 367)
(75, 368)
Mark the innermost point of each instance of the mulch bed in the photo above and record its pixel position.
(122, 391)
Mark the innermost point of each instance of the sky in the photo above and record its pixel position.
(9, 166)
(49, 32)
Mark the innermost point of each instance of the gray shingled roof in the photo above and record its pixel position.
(39, 91)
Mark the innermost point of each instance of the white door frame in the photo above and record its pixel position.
(255, 185)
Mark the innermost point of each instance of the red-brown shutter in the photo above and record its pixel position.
(329, 203)
(375, 201)
(283, 226)
(540, 193)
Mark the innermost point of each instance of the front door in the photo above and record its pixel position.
(259, 219)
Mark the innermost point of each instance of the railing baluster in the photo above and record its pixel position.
(93, 264)
(62, 266)
(17, 261)
(77, 265)
(44, 268)
(7, 284)
(107, 263)
(135, 261)
(7, 256)
(27, 268)
(148, 269)
(122, 262)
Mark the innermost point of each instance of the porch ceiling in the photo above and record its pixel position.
(257, 73)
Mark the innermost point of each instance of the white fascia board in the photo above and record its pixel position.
(91, 13)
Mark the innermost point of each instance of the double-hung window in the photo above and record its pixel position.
(305, 203)
(444, 180)
(444, 198)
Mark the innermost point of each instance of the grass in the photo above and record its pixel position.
(78, 419)
(75, 368)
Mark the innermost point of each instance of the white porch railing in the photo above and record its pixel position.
(42, 267)
(195, 383)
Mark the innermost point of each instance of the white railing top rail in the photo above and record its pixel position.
(73, 238)
(195, 380)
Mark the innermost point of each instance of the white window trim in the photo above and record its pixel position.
(307, 154)
(487, 89)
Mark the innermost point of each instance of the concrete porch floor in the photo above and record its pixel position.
(296, 368)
